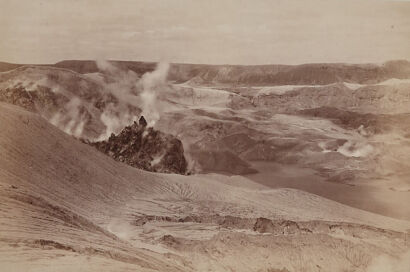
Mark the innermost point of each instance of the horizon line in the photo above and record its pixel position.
(210, 64)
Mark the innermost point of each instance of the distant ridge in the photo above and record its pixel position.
(254, 75)
(5, 66)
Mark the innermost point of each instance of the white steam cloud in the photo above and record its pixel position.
(355, 149)
(94, 106)
(115, 118)
(121, 229)
(119, 83)
(152, 83)
(71, 119)
(134, 94)
(387, 263)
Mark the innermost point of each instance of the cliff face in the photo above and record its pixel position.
(145, 148)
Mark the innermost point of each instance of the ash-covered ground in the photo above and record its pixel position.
(262, 168)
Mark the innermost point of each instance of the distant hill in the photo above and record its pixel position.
(89, 66)
(5, 66)
(255, 75)
(316, 73)
(377, 98)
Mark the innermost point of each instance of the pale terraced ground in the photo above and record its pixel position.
(376, 164)
(66, 207)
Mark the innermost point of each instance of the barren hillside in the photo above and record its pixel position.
(109, 213)
(351, 135)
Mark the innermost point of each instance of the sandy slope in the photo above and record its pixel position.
(62, 203)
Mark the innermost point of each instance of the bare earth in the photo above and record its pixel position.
(66, 206)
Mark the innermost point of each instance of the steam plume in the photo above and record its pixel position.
(152, 84)
(355, 149)
(133, 94)
(386, 263)
(71, 119)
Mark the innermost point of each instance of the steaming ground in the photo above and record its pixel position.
(351, 134)
(66, 206)
(298, 177)
(364, 165)
(87, 106)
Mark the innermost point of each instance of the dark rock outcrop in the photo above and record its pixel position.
(281, 227)
(18, 96)
(145, 148)
(142, 121)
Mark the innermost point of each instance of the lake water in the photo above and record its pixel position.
(369, 198)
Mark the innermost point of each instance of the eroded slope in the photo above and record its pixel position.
(65, 204)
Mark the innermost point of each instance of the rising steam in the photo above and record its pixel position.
(355, 149)
(387, 263)
(94, 106)
(71, 119)
(134, 95)
(152, 83)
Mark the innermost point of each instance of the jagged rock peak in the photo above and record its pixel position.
(145, 148)
(142, 121)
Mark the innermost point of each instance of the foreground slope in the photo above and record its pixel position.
(66, 206)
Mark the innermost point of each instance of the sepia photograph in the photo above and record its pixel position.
(205, 136)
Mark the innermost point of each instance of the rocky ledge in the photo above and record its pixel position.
(145, 148)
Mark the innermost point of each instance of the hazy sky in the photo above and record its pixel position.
(220, 31)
